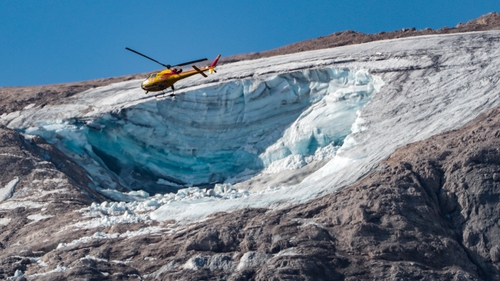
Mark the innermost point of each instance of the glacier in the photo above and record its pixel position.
(209, 135)
(326, 116)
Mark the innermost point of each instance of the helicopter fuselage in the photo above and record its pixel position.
(164, 79)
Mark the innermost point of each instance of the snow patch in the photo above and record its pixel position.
(18, 273)
(252, 259)
(108, 213)
(38, 217)
(94, 258)
(103, 235)
(5, 221)
(86, 239)
(7, 191)
(57, 269)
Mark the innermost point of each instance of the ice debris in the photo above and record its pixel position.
(109, 213)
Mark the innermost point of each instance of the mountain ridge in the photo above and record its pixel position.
(16, 98)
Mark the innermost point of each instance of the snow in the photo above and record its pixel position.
(400, 113)
(88, 257)
(108, 213)
(18, 273)
(287, 252)
(86, 239)
(349, 107)
(5, 221)
(213, 262)
(38, 217)
(59, 268)
(21, 203)
(7, 191)
(31, 105)
(252, 259)
(103, 235)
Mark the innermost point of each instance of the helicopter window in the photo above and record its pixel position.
(153, 75)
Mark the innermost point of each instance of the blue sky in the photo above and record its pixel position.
(48, 42)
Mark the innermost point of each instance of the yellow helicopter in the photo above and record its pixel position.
(164, 79)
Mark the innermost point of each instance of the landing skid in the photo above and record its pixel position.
(163, 94)
(169, 95)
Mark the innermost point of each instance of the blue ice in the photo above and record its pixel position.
(215, 133)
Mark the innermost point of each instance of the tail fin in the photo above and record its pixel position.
(214, 63)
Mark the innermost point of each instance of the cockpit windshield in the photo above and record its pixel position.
(152, 75)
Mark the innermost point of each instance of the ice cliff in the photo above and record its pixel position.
(211, 134)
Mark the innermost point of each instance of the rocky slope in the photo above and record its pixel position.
(16, 98)
(429, 212)
(490, 21)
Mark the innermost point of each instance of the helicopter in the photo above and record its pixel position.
(164, 79)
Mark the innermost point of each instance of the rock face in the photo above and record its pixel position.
(429, 212)
(39, 189)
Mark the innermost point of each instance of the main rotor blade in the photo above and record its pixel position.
(190, 62)
(165, 65)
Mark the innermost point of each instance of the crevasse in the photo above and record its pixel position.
(219, 132)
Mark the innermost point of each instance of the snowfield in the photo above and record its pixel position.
(269, 132)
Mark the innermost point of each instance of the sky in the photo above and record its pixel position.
(51, 42)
